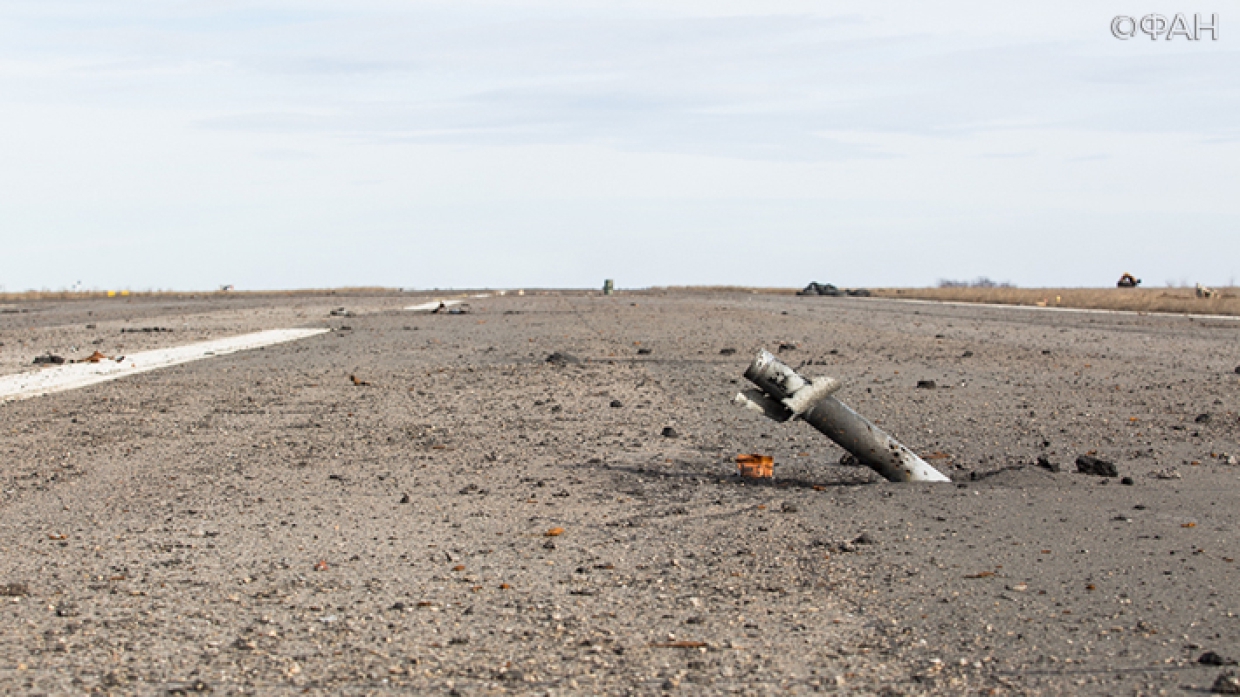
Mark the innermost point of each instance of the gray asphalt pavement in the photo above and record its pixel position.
(424, 503)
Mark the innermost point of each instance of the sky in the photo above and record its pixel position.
(187, 144)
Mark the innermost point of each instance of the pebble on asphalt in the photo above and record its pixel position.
(561, 358)
(1211, 658)
(1226, 684)
(1045, 463)
(14, 590)
(1088, 464)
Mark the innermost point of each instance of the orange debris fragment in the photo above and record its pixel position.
(756, 466)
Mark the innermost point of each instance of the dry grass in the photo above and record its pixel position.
(1174, 300)
(716, 289)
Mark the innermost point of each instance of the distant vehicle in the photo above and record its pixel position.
(225, 289)
(1128, 281)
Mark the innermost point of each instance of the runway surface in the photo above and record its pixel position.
(371, 509)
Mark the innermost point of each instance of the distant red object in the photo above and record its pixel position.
(1128, 281)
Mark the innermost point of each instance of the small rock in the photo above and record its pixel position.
(468, 489)
(548, 545)
(49, 359)
(669, 432)
(849, 460)
(1238, 370)
(727, 351)
(1226, 684)
(1088, 464)
(926, 384)
(14, 590)
(1127, 481)
(1202, 419)
(787, 347)
(512, 676)
(1211, 658)
(967, 354)
(1045, 463)
(404, 498)
(789, 507)
(865, 538)
(616, 404)
(643, 352)
(561, 358)
(1167, 473)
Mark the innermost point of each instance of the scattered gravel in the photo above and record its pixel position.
(259, 524)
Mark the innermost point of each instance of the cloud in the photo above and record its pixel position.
(920, 133)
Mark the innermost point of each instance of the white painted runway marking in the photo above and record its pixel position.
(1083, 310)
(75, 375)
(425, 307)
(432, 305)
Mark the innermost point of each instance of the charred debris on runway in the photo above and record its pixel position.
(830, 290)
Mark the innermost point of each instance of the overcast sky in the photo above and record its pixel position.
(270, 144)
